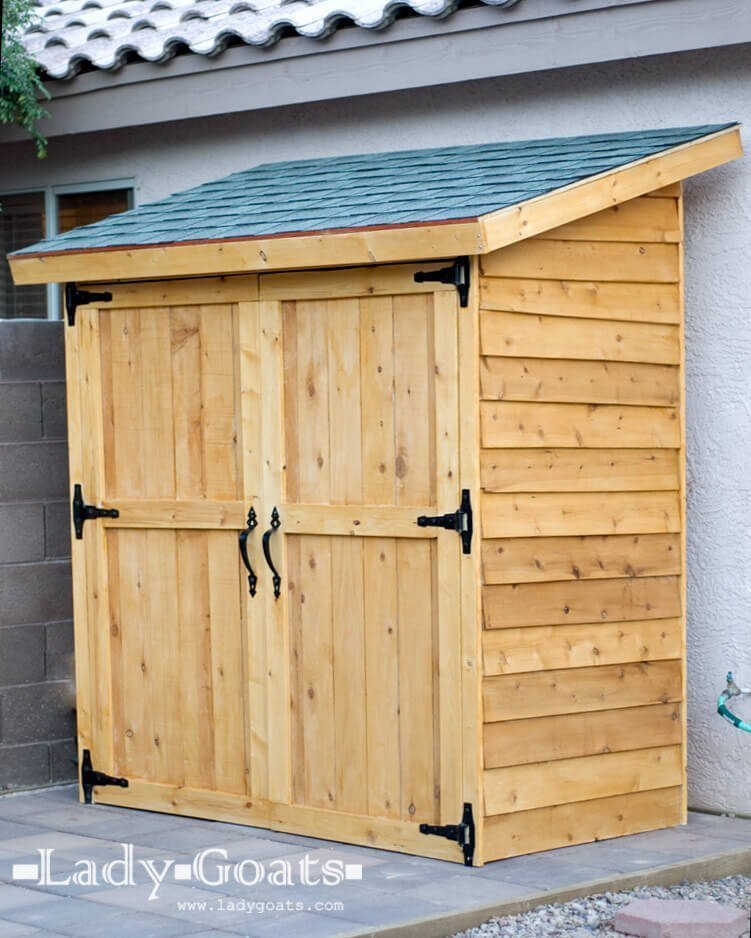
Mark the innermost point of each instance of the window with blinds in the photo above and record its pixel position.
(84, 208)
(23, 222)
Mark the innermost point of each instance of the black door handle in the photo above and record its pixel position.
(252, 525)
(275, 579)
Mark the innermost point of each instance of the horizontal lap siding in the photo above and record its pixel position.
(586, 260)
(582, 516)
(516, 650)
(532, 336)
(576, 382)
(568, 735)
(524, 787)
(532, 514)
(593, 299)
(508, 835)
(577, 690)
(533, 559)
(577, 601)
(508, 423)
(572, 470)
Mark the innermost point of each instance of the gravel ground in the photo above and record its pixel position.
(592, 916)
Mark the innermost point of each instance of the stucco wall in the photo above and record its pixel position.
(691, 88)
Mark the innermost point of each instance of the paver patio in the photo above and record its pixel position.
(395, 892)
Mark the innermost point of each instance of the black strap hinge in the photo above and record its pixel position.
(457, 274)
(90, 777)
(463, 833)
(459, 521)
(75, 298)
(83, 512)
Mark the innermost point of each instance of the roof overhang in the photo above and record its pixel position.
(392, 244)
(410, 54)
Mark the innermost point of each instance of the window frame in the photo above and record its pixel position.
(54, 305)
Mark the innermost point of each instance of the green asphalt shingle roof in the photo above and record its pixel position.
(372, 190)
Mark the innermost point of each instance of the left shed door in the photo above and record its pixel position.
(156, 427)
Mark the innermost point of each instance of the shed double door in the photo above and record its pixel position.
(328, 702)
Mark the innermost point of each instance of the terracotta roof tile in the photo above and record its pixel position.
(72, 35)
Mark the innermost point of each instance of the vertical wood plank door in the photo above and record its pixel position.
(360, 436)
(331, 402)
(161, 615)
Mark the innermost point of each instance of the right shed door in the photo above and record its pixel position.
(360, 434)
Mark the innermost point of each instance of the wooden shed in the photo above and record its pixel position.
(377, 473)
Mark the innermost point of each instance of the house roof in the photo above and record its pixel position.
(71, 35)
(386, 206)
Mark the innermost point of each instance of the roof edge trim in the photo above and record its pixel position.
(596, 193)
(346, 247)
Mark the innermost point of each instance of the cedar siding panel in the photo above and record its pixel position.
(582, 530)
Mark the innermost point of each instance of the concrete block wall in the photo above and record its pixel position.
(37, 719)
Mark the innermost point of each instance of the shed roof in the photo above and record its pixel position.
(451, 190)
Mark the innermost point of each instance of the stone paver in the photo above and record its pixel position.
(384, 890)
(77, 917)
(681, 918)
(544, 871)
(9, 830)
(479, 889)
(14, 930)
(18, 897)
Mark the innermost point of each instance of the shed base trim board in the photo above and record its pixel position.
(381, 833)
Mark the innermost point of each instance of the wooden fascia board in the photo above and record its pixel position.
(351, 248)
(527, 219)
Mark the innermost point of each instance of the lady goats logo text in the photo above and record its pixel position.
(209, 867)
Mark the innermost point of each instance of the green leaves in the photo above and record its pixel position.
(21, 88)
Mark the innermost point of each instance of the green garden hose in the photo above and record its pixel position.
(732, 690)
